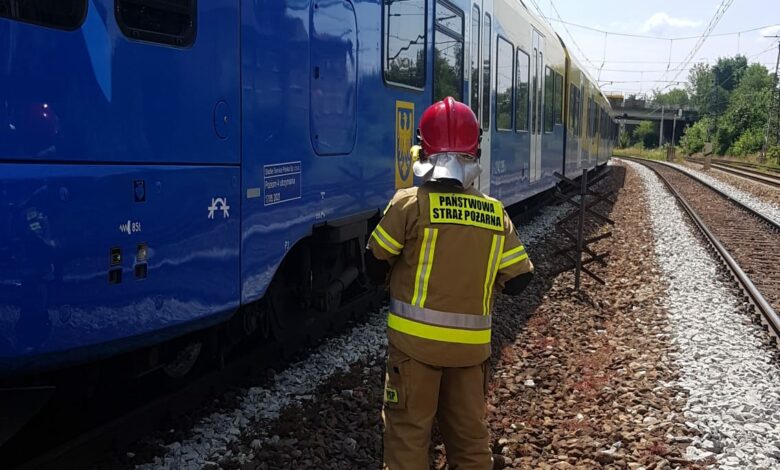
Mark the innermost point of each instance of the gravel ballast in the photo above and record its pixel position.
(755, 202)
(764, 192)
(585, 383)
(217, 439)
(725, 364)
(588, 383)
(662, 368)
(209, 440)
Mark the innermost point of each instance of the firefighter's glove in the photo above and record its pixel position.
(517, 285)
(416, 153)
(378, 271)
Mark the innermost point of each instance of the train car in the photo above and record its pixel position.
(578, 86)
(526, 125)
(172, 168)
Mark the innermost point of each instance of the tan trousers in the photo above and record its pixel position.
(415, 393)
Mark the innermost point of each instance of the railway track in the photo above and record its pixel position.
(761, 174)
(744, 239)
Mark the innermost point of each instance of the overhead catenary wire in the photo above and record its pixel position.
(658, 38)
(573, 41)
(673, 69)
(731, 77)
(719, 13)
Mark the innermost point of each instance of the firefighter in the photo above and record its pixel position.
(450, 247)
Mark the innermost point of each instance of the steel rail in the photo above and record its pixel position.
(768, 314)
(743, 172)
(768, 220)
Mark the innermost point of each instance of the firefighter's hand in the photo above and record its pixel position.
(517, 285)
(377, 270)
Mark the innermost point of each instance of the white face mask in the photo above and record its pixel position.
(448, 166)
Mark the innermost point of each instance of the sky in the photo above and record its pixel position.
(640, 65)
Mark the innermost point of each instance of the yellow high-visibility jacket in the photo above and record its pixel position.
(449, 248)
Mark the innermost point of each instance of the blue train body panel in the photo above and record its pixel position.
(60, 225)
(333, 146)
(89, 119)
(93, 95)
(217, 152)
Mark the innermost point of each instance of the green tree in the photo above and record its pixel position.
(732, 98)
(624, 140)
(646, 133)
(729, 71)
(701, 82)
(674, 98)
(744, 118)
(710, 87)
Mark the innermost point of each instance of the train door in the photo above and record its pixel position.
(537, 106)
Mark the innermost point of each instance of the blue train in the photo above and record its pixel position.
(168, 167)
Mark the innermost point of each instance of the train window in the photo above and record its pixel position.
(504, 78)
(591, 125)
(535, 95)
(521, 91)
(583, 110)
(449, 18)
(405, 38)
(486, 57)
(163, 21)
(549, 90)
(591, 118)
(574, 109)
(474, 78)
(558, 104)
(601, 122)
(448, 53)
(60, 14)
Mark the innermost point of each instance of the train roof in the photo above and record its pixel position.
(538, 23)
(545, 28)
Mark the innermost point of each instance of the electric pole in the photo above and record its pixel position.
(773, 109)
(661, 129)
(678, 114)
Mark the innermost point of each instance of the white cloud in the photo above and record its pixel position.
(661, 21)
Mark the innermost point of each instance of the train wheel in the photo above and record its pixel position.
(286, 319)
(185, 360)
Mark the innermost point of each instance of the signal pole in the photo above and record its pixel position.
(678, 114)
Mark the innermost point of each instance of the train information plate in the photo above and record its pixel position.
(281, 182)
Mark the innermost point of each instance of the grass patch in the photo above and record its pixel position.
(651, 154)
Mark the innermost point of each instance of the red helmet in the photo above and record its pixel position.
(449, 126)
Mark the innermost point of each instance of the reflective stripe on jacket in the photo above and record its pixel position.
(450, 249)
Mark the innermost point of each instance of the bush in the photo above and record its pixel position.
(773, 153)
(694, 136)
(624, 140)
(646, 134)
(751, 141)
